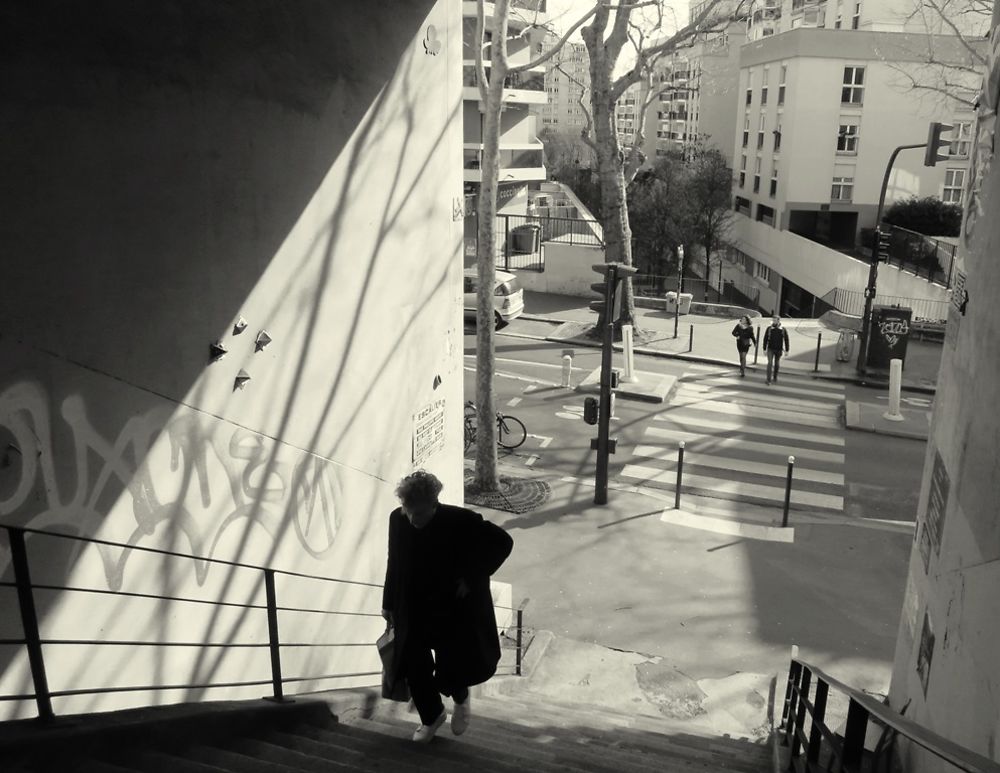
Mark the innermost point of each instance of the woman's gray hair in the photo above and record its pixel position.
(419, 486)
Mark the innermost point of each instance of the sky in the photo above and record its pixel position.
(562, 13)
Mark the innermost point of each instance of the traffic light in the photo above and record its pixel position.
(590, 410)
(881, 245)
(615, 377)
(935, 142)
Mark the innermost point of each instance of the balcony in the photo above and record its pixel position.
(522, 10)
(524, 87)
(520, 163)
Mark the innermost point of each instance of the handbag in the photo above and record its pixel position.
(393, 687)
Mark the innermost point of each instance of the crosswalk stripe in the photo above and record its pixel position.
(733, 488)
(740, 465)
(776, 388)
(716, 443)
(747, 428)
(733, 409)
(764, 399)
(792, 378)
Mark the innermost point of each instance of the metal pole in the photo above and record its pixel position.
(604, 409)
(517, 664)
(680, 473)
(680, 285)
(873, 268)
(819, 342)
(756, 345)
(691, 338)
(506, 242)
(29, 622)
(272, 634)
(788, 491)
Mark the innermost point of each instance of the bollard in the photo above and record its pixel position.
(788, 491)
(629, 355)
(895, 385)
(691, 339)
(612, 413)
(567, 370)
(819, 342)
(680, 472)
(756, 345)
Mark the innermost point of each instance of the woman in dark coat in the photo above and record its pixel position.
(437, 597)
(743, 333)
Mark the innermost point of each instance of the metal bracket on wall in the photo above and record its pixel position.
(241, 379)
(263, 339)
(216, 351)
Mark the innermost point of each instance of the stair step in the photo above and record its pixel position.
(160, 762)
(577, 748)
(237, 756)
(310, 756)
(98, 766)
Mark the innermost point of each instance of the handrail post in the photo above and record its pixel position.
(680, 475)
(788, 492)
(517, 655)
(272, 635)
(854, 735)
(793, 676)
(818, 717)
(29, 621)
(800, 715)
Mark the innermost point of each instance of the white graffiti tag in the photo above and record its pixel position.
(893, 330)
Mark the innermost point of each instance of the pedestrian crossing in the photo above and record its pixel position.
(738, 434)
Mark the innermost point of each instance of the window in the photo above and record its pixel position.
(961, 139)
(856, 19)
(777, 138)
(743, 205)
(774, 181)
(954, 183)
(838, 21)
(746, 130)
(853, 90)
(761, 271)
(749, 95)
(765, 214)
(743, 171)
(843, 189)
(781, 86)
(756, 176)
(847, 138)
(763, 87)
(760, 131)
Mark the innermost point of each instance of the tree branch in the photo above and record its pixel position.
(558, 45)
(480, 65)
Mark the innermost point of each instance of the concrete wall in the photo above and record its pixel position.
(167, 172)
(567, 270)
(946, 654)
(819, 269)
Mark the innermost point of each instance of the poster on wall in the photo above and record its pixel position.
(925, 653)
(937, 502)
(428, 432)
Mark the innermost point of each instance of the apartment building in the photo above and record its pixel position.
(567, 82)
(822, 106)
(521, 158)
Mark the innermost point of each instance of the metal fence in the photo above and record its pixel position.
(924, 256)
(519, 238)
(853, 302)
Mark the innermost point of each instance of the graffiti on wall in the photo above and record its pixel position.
(184, 471)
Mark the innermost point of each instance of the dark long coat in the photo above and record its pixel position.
(475, 549)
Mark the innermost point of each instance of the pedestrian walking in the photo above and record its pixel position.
(743, 333)
(775, 343)
(437, 598)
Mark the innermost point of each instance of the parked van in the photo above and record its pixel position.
(508, 297)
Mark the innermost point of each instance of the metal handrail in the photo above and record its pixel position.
(33, 641)
(848, 751)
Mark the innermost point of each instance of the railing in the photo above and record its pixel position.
(819, 747)
(34, 642)
(922, 255)
(657, 286)
(853, 302)
(519, 238)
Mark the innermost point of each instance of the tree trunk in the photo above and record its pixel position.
(487, 477)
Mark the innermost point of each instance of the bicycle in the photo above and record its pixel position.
(511, 431)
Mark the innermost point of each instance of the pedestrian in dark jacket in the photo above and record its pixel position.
(437, 596)
(743, 333)
(775, 342)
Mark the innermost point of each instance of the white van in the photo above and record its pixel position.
(508, 297)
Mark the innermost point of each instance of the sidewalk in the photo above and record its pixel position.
(709, 339)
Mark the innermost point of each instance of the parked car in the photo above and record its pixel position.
(508, 297)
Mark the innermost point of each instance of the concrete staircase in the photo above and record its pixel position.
(518, 732)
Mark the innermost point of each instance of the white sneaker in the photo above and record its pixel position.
(460, 719)
(425, 733)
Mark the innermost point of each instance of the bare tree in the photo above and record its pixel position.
(491, 86)
(638, 27)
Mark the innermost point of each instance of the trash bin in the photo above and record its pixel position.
(845, 345)
(524, 239)
(671, 302)
(889, 334)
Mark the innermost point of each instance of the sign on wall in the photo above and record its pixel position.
(428, 432)
(926, 652)
(937, 502)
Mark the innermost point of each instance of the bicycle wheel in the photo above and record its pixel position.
(510, 432)
(470, 432)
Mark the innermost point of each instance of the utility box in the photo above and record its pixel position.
(888, 336)
(671, 302)
(524, 239)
